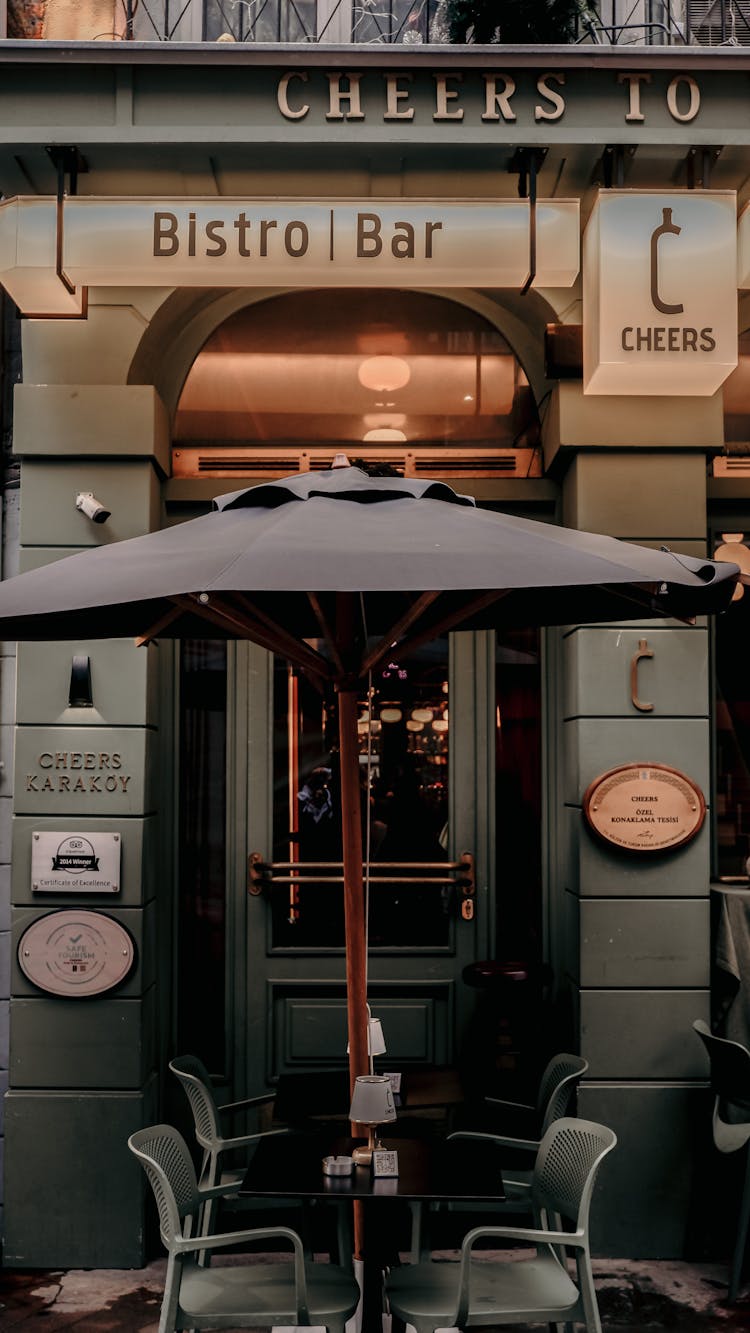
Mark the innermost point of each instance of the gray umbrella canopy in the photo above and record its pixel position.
(333, 570)
(268, 562)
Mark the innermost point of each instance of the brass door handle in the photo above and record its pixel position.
(643, 651)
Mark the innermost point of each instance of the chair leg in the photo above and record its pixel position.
(588, 1295)
(170, 1301)
(415, 1240)
(739, 1244)
(210, 1177)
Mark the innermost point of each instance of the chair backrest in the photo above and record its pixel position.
(196, 1081)
(165, 1157)
(557, 1087)
(566, 1165)
(730, 1065)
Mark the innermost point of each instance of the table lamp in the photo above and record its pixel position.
(375, 1038)
(372, 1105)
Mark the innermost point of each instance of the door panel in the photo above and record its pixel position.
(425, 812)
(261, 960)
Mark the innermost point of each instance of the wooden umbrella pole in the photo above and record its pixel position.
(355, 925)
(354, 897)
(354, 909)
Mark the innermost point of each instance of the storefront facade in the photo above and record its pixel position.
(262, 256)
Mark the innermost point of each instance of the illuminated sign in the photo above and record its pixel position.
(660, 292)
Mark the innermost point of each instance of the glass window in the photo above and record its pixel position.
(201, 908)
(409, 731)
(413, 380)
(518, 816)
(732, 727)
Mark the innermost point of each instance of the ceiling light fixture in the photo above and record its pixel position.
(385, 435)
(384, 373)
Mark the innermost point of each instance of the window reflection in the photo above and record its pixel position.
(403, 740)
(518, 818)
(202, 844)
(402, 377)
(732, 714)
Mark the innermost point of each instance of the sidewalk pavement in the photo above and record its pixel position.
(670, 1296)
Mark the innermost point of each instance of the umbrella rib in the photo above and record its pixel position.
(397, 631)
(283, 636)
(155, 630)
(452, 619)
(325, 628)
(225, 617)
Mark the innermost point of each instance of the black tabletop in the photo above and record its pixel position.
(291, 1166)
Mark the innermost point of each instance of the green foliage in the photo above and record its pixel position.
(516, 21)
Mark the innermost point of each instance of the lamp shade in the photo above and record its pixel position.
(375, 1038)
(372, 1100)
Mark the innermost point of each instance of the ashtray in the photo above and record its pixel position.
(338, 1166)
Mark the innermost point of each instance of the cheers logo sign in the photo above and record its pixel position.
(660, 293)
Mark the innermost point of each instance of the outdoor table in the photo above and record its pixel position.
(430, 1170)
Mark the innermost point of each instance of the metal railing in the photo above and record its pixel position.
(411, 22)
(364, 22)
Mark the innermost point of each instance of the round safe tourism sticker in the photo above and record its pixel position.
(76, 953)
(644, 807)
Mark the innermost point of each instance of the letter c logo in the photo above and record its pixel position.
(667, 228)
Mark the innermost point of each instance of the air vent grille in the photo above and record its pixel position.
(445, 461)
(732, 466)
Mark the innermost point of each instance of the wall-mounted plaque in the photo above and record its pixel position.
(75, 862)
(644, 807)
(76, 953)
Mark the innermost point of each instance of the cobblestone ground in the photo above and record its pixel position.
(669, 1296)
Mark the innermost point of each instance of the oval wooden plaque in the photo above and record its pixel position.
(644, 807)
(76, 953)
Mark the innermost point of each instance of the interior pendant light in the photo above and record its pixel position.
(384, 374)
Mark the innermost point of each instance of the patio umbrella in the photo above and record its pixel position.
(334, 570)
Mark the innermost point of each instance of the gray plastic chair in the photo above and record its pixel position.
(557, 1087)
(730, 1081)
(207, 1115)
(475, 1293)
(244, 1295)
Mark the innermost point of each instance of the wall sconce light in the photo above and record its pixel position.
(80, 694)
(88, 504)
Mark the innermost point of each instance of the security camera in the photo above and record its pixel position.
(88, 504)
